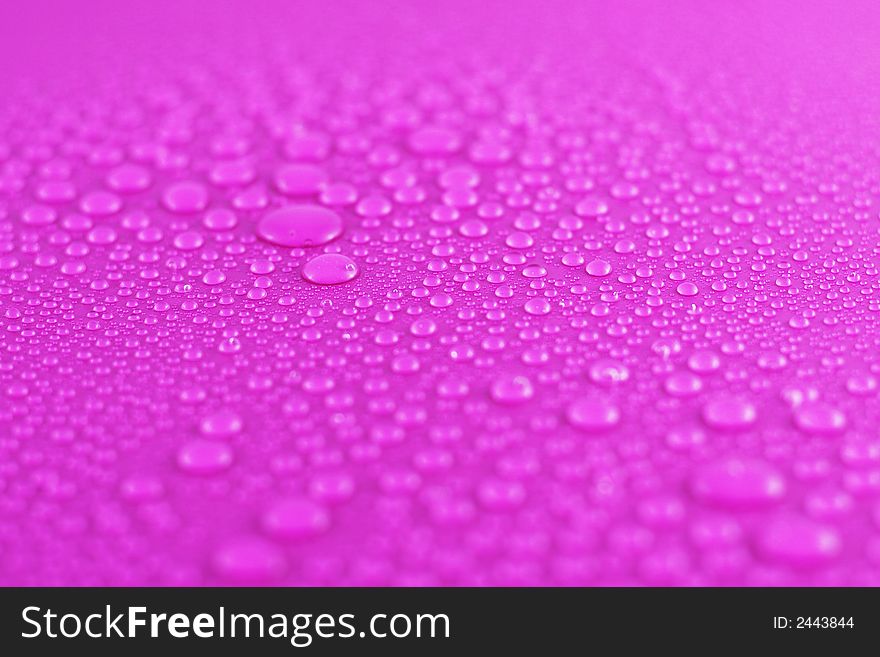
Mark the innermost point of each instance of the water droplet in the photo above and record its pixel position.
(598, 268)
(729, 413)
(737, 484)
(798, 542)
(819, 418)
(512, 389)
(300, 225)
(330, 269)
(593, 415)
(203, 457)
(185, 197)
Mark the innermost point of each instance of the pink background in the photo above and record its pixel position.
(448, 293)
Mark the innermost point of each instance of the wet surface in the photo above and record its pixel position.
(428, 293)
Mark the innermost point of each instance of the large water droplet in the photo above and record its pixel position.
(300, 225)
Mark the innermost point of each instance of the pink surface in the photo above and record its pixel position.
(454, 293)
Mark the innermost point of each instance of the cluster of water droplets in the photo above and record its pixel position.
(467, 317)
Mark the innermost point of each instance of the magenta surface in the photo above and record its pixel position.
(455, 293)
